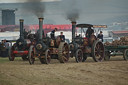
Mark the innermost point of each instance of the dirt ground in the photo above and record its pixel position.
(18, 72)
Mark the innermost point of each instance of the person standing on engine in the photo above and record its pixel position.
(100, 36)
(89, 32)
(62, 37)
(53, 33)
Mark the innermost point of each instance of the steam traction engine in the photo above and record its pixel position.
(39, 49)
(59, 50)
(20, 48)
(81, 47)
(46, 48)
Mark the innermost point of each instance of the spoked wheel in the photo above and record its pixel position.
(31, 55)
(47, 57)
(125, 54)
(84, 57)
(11, 54)
(25, 57)
(79, 55)
(107, 56)
(63, 54)
(98, 51)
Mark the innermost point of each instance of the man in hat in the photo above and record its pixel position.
(89, 32)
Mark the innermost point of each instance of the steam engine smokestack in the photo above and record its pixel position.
(73, 30)
(41, 44)
(40, 28)
(21, 29)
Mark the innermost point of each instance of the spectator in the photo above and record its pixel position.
(53, 33)
(0, 47)
(6, 47)
(100, 36)
(3, 48)
(62, 37)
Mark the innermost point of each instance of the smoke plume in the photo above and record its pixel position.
(71, 9)
(35, 6)
(73, 15)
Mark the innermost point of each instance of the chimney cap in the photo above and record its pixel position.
(73, 22)
(40, 19)
(21, 20)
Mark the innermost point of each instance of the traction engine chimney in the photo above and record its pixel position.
(73, 30)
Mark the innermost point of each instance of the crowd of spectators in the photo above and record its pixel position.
(4, 48)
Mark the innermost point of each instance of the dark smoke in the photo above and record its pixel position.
(35, 6)
(71, 9)
(73, 15)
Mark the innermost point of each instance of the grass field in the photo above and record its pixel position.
(18, 72)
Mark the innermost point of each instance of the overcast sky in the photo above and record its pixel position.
(21, 1)
(91, 11)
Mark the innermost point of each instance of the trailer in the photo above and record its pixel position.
(118, 50)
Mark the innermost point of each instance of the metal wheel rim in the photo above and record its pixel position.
(125, 54)
(47, 57)
(32, 58)
(31, 55)
(107, 57)
(98, 54)
(11, 55)
(65, 52)
(79, 55)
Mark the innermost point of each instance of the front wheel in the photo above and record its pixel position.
(79, 55)
(11, 54)
(31, 55)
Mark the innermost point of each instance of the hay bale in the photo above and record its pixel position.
(107, 43)
(122, 41)
(126, 39)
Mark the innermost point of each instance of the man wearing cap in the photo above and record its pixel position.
(53, 33)
(62, 37)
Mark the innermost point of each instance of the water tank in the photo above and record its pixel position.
(8, 17)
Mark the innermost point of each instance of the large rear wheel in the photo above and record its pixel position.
(98, 51)
(63, 54)
(31, 55)
(79, 55)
